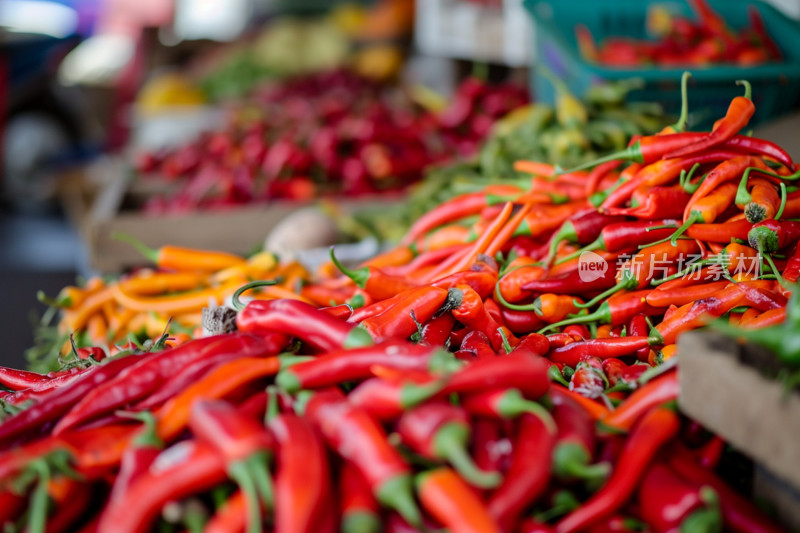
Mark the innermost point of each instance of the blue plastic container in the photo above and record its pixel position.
(776, 86)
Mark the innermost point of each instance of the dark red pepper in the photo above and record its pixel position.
(574, 353)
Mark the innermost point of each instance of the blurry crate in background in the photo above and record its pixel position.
(495, 31)
(776, 86)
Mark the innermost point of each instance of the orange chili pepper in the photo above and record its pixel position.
(596, 410)
(397, 256)
(148, 283)
(453, 503)
(176, 303)
(660, 390)
(76, 319)
(555, 307)
(221, 381)
(518, 272)
(765, 201)
(772, 317)
(180, 258)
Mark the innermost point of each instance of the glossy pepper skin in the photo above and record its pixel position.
(302, 479)
(141, 379)
(184, 469)
(342, 366)
(529, 472)
(666, 500)
(657, 428)
(451, 501)
(575, 445)
(299, 319)
(441, 431)
(359, 439)
(397, 321)
(359, 509)
(59, 401)
(468, 308)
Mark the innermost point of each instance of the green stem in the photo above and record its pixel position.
(151, 254)
(631, 153)
(359, 276)
(743, 196)
(273, 410)
(776, 272)
(506, 345)
(624, 284)
(37, 515)
(240, 474)
(748, 91)
(694, 218)
(783, 202)
(554, 374)
(684, 116)
(596, 245)
(535, 307)
(601, 314)
(685, 179)
(450, 442)
(235, 299)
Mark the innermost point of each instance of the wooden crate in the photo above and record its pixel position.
(96, 207)
(724, 388)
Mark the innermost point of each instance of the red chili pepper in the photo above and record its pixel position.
(697, 313)
(374, 281)
(388, 399)
(618, 309)
(769, 236)
(588, 380)
(440, 431)
(57, 402)
(400, 320)
(792, 270)
(575, 442)
(628, 235)
(529, 473)
(656, 429)
(711, 452)
(448, 499)
(138, 457)
(184, 469)
(739, 513)
(299, 319)
(643, 400)
(720, 233)
(655, 203)
(373, 309)
(246, 448)
(666, 501)
(572, 283)
(467, 307)
(340, 366)
(476, 345)
(739, 112)
(302, 479)
(436, 331)
(581, 228)
(342, 312)
(95, 352)
(21, 379)
(684, 295)
(456, 209)
(532, 344)
(231, 516)
(618, 372)
(519, 371)
(575, 352)
(358, 438)
(139, 380)
(359, 509)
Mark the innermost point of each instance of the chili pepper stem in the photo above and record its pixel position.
(397, 494)
(37, 515)
(359, 276)
(571, 461)
(693, 218)
(357, 338)
(361, 522)
(535, 306)
(554, 374)
(707, 520)
(252, 477)
(150, 254)
(235, 299)
(684, 116)
(602, 296)
(514, 404)
(779, 213)
(596, 245)
(450, 443)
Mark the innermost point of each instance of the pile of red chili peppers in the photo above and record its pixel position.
(512, 382)
(684, 42)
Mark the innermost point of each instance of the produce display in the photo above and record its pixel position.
(684, 42)
(512, 373)
(573, 132)
(322, 134)
(105, 316)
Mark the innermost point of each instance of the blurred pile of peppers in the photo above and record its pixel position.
(332, 133)
(473, 378)
(684, 42)
(573, 132)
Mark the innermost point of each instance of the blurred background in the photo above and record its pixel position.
(207, 122)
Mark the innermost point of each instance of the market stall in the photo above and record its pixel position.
(332, 297)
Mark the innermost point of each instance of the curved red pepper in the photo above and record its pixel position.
(359, 509)
(657, 428)
(400, 320)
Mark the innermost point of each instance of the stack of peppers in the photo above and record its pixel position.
(501, 384)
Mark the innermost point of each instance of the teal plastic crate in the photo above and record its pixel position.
(776, 86)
